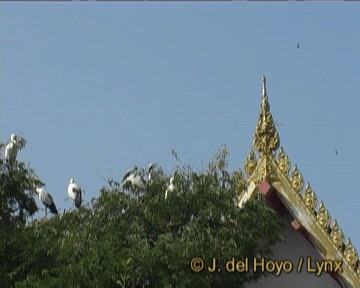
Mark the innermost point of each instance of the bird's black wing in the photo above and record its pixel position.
(127, 174)
(53, 208)
(52, 205)
(78, 199)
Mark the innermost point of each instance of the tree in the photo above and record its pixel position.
(121, 240)
(17, 204)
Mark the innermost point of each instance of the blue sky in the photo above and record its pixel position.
(98, 87)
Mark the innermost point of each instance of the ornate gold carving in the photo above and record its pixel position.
(266, 138)
(270, 171)
(283, 162)
(323, 216)
(264, 166)
(310, 198)
(260, 174)
(264, 171)
(296, 180)
(250, 163)
(336, 235)
(239, 181)
(350, 254)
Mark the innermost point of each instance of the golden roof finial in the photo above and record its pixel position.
(336, 235)
(264, 100)
(266, 138)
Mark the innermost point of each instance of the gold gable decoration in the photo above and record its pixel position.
(336, 235)
(283, 162)
(250, 163)
(274, 166)
(297, 180)
(350, 254)
(323, 217)
(266, 139)
(310, 198)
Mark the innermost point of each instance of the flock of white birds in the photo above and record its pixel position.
(133, 178)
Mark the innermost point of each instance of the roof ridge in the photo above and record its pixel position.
(275, 170)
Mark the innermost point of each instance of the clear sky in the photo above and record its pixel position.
(98, 87)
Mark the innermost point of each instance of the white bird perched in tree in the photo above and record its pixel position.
(170, 188)
(154, 173)
(135, 178)
(11, 150)
(75, 193)
(151, 175)
(47, 200)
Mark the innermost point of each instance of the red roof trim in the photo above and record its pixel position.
(277, 205)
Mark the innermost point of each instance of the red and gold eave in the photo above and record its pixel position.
(267, 168)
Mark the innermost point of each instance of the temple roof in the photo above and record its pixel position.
(267, 163)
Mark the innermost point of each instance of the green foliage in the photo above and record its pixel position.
(17, 204)
(120, 240)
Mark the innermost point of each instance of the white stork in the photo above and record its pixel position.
(11, 150)
(151, 172)
(135, 178)
(155, 172)
(170, 188)
(47, 200)
(75, 193)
